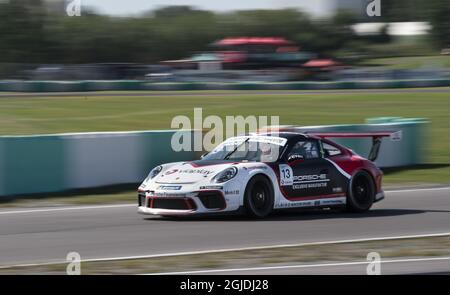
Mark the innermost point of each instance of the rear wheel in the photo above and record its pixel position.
(361, 192)
(259, 197)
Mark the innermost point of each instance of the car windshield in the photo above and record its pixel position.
(249, 148)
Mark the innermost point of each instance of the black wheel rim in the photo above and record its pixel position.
(361, 190)
(260, 197)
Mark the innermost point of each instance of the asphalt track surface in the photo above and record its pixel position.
(45, 235)
(6, 95)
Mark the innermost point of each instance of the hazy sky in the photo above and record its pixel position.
(129, 7)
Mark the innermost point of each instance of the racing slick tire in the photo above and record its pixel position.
(361, 192)
(259, 197)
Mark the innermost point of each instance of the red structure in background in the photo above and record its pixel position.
(273, 41)
(268, 55)
(323, 65)
(257, 52)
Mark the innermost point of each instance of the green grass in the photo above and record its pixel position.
(411, 62)
(41, 115)
(104, 113)
(81, 197)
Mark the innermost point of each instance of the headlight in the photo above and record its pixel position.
(225, 175)
(155, 171)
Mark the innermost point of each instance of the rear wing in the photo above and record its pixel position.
(376, 136)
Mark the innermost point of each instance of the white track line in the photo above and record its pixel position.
(418, 190)
(66, 209)
(131, 205)
(234, 249)
(299, 266)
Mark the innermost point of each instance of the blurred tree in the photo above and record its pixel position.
(22, 32)
(30, 33)
(403, 10)
(439, 18)
(266, 23)
(328, 35)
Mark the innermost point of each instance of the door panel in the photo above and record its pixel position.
(311, 177)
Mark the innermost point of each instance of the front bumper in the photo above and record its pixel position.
(164, 212)
(181, 204)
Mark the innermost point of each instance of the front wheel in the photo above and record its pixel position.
(361, 192)
(259, 197)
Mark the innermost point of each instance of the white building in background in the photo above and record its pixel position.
(324, 8)
(394, 29)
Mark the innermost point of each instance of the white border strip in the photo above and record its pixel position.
(234, 249)
(299, 266)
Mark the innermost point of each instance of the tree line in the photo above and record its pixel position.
(31, 33)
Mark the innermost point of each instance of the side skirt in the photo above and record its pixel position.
(323, 202)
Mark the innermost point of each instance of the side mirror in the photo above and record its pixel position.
(295, 157)
(204, 155)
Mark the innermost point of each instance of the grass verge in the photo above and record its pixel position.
(325, 253)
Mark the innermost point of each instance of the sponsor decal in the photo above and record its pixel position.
(337, 189)
(286, 175)
(331, 202)
(255, 168)
(396, 136)
(310, 185)
(219, 187)
(310, 178)
(311, 203)
(296, 204)
(170, 187)
(232, 192)
(256, 138)
(189, 171)
(171, 171)
(163, 194)
(310, 181)
(196, 171)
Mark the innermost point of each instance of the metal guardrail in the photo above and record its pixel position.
(130, 85)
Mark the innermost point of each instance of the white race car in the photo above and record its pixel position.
(261, 173)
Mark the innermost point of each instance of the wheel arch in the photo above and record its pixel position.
(364, 169)
(352, 203)
(266, 176)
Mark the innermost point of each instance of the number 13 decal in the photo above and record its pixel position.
(286, 175)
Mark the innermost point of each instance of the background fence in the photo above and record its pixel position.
(129, 85)
(51, 163)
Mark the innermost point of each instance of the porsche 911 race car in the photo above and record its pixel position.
(266, 171)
